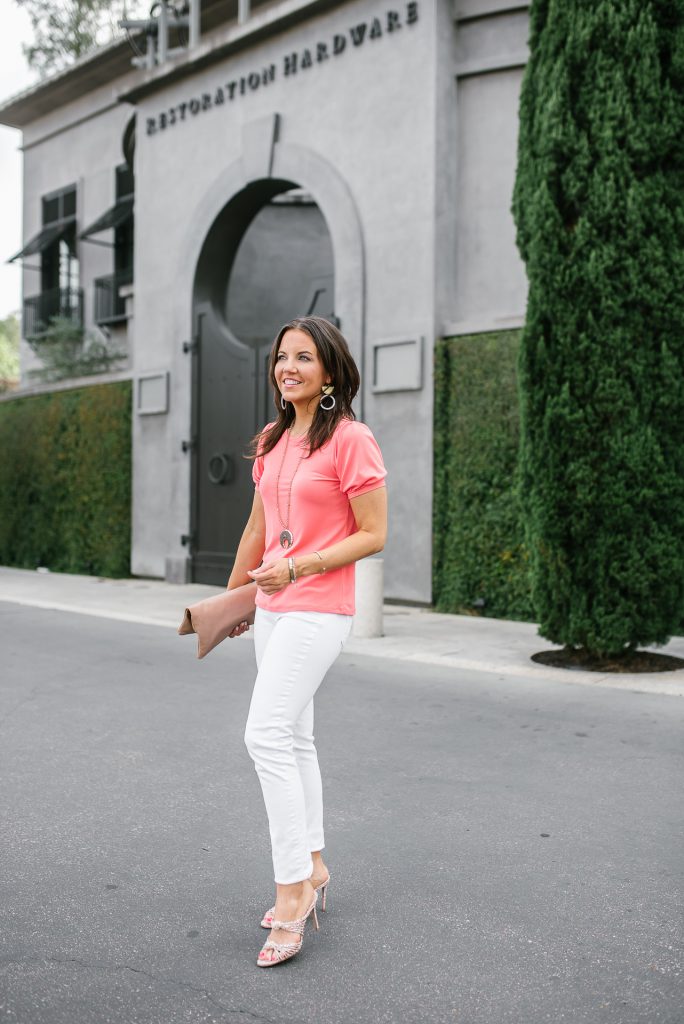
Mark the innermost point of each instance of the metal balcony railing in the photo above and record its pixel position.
(110, 308)
(40, 309)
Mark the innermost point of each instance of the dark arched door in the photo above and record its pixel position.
(267, 259)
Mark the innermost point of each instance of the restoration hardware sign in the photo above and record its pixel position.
(292, 64)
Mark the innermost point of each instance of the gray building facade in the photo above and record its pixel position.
(352, 159)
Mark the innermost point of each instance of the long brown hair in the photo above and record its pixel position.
(338, 364)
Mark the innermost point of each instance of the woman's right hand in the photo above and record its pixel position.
(241, 628)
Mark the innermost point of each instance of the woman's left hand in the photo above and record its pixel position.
(272, 577)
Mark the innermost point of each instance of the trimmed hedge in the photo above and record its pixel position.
(480, 562)
(65, 480)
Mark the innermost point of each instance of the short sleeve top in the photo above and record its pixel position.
(320, 514)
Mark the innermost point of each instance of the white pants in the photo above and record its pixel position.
(294, 650)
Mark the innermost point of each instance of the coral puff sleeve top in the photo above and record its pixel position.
(346, 466)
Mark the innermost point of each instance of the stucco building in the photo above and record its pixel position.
(354, 159)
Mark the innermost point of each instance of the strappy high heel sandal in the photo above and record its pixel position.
(267, 920)
(286, 950)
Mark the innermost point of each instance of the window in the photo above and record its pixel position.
(59, 206)
(125, 183)
(59, 293)
(59, 261)
(123, 233)
(110, 305)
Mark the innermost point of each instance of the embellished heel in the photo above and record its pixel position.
(286, 950)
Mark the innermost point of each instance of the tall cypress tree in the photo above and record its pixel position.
(599, 208)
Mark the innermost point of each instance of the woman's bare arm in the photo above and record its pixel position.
(252, 545)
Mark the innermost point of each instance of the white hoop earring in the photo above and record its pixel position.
(327, 391)
(283, 403)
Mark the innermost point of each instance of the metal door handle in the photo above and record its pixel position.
(221, 468)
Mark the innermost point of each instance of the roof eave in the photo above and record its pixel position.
(96, 68)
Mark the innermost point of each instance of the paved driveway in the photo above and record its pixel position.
(501, 850)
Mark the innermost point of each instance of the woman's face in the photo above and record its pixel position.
(299, 372)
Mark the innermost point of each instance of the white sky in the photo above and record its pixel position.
(14, 76)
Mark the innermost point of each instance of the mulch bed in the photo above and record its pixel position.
(631, 661)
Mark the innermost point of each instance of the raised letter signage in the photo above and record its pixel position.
(292, 64)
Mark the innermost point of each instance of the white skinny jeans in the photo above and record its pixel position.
(294, 650)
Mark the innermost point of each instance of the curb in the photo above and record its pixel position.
(413, 649)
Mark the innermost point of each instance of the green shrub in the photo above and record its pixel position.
(9, 352)
(66, 350)
(480, 563)
(599, 206)
(65, 480)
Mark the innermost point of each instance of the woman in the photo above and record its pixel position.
(319, 506)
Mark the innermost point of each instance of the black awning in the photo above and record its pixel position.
(43, 239)
(118, 214)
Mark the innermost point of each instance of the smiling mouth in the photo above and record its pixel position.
(290, 382)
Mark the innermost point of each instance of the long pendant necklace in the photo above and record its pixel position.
(286, 538)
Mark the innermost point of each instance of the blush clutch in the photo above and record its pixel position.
(215, 617)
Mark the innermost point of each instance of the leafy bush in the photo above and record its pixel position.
(65, 350)
(65, 480)
(9, 352)
(599, 205)
(480, 561)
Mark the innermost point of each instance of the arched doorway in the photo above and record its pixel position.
(267, 258)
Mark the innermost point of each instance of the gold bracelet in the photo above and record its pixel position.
(321, 558)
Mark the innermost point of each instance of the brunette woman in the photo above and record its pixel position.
(319, 506)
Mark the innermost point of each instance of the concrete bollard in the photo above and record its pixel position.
(369, 596)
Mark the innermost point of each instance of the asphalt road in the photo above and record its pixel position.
(500, 850)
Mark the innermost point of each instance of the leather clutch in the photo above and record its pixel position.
(215, 617)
